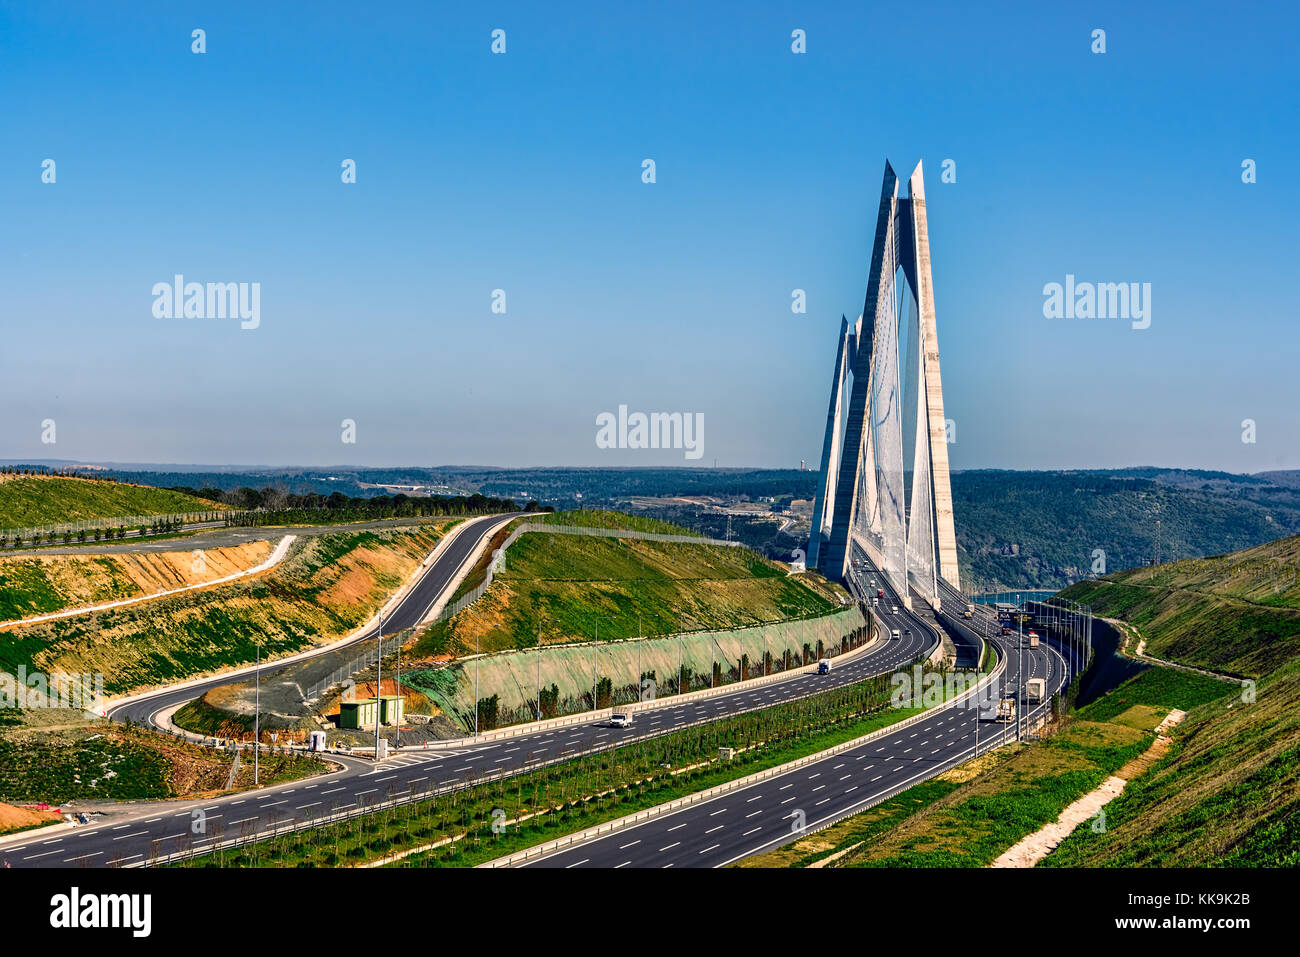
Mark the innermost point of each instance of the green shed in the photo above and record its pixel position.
(358, 714)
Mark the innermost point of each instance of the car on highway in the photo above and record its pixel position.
(620, 719)
(894, 609)
(895, 633)
(824, 666)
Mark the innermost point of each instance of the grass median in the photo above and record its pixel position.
(485, 819)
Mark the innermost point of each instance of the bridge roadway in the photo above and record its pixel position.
(162, 828)
(777, 810)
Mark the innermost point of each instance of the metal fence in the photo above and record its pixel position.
(131, 523)
(370, 658)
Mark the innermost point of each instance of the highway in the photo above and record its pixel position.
(139, 834)
(777, 810)
(414, 606)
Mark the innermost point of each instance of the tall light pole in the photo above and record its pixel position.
(257, 712)
(595, 650)
(476, 681)
(539, 671)
(379, 682)
(397, 739)
(1020, 668)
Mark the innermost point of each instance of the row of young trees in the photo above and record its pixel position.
(90, 475)
(163, 526)
(492, 715)
(271, 506)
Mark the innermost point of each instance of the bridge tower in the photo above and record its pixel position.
(884, 482)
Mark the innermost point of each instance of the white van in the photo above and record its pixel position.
(620, 719)
(895, 633)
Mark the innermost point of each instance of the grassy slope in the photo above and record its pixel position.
(1238, 613)
(327, 587)
(36, 500)
(1226, 794)
(566, 583)
(600, 518)
(46, 583)
(123, 764)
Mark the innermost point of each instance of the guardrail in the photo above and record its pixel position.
(669, 701)
(430, 789)
(455, 608)
(550, 847)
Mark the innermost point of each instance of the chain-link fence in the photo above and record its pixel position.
(107, 527)
(370, 657)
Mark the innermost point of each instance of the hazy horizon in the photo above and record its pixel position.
(522, 172)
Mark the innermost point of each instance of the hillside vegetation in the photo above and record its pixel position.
(31, 501)
(325, 588)
(42, 584)
(1228, 791)
(1238, 613)
(566, 585)
(1040, 529)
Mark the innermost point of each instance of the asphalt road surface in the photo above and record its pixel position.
(146, 832)
(781, 809)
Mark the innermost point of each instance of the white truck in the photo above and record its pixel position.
(1036, 690)
(824, 666)
(621, 719)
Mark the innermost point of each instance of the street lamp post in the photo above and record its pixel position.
(379, 682)
(257, 713)
(397, 734)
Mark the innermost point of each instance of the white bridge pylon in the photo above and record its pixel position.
(884, 471)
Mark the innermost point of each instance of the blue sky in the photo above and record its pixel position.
(522, 172)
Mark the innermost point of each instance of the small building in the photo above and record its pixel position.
(358, 714)
(392, 708)
(361, 713)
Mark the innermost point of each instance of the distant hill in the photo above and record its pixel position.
(1237, 613)
(31, 501)
(1014, 529)
(1043, 529)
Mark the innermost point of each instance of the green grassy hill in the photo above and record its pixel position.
(565, 585)
(31, 501)
(1228, 792)
(1238, 613)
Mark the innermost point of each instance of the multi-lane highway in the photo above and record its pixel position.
(780, 809)
(136, 836)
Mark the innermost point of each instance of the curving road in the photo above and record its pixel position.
(139, 834)
(142, 833)
(780, 809)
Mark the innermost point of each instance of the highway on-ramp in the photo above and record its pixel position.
(143, 833)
